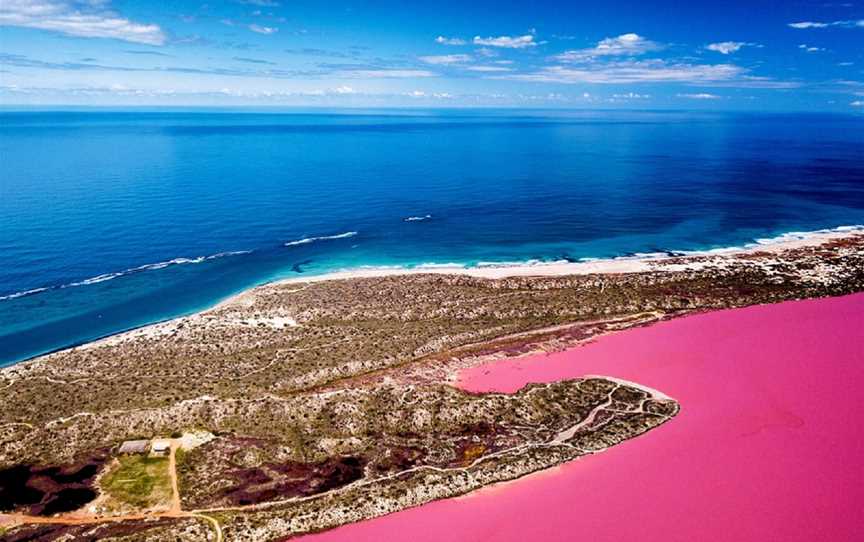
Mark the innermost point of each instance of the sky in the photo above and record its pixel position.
(735, 55)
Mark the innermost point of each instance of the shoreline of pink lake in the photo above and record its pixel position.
(769, 443)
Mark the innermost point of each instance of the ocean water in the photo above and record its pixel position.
(114, 219)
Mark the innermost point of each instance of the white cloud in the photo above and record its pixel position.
(850, 83)
(812, 24)
(489, 69)
(436, 95)
(261, 3)
(808, 24)
(611, 61)
(810, 48)
(344, 89)
(646, 71)
(449, 41)
(266, 30)
(857, 103)
(286, 96)
(625, 44)
(445, 59)
(629, 44)
(86, 19)
(631, 96)
(728, 47)
(507, 42)
(387, 74)
(700, 96)
(752, 81)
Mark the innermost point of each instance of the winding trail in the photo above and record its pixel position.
(175, 509)
(216, 527)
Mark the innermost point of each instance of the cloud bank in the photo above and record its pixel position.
(81, 18)
(629, 44)
(507, 42)
(804, 25)
(729, 47)
(624, 72)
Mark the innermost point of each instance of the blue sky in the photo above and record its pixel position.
(784, 55)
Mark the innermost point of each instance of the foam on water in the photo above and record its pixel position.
(307, 240)
(433, 265)
(417, 218)
(110, 276)
(636, 256)
(25, 293)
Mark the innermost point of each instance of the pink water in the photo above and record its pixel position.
(769, 444)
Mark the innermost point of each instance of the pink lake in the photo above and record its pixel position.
(769, 444)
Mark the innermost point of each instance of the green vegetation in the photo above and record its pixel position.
(354, 327)
(140, 481)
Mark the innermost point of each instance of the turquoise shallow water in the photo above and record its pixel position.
(114, 219)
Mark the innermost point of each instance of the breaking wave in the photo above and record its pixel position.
(434, 265)
(719, 251)
(759, 242)
(526, 263)
(109, 276)
(307, 240)
(22, 294)
(417, 218)
(782, 238)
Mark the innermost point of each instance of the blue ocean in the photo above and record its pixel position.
(110, 220)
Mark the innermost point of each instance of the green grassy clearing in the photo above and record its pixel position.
(140, 481)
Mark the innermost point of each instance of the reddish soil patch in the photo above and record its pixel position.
(274, 481)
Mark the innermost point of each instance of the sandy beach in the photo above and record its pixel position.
(621, 265)
(764, 447)
(628, 264)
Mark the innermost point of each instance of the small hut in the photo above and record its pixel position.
(135, 447)
(161, 447)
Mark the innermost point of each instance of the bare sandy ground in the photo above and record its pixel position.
(633, 264)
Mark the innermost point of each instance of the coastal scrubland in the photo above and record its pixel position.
(330, 401)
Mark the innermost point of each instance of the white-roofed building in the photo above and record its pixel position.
(160, 447)
(135, 447)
